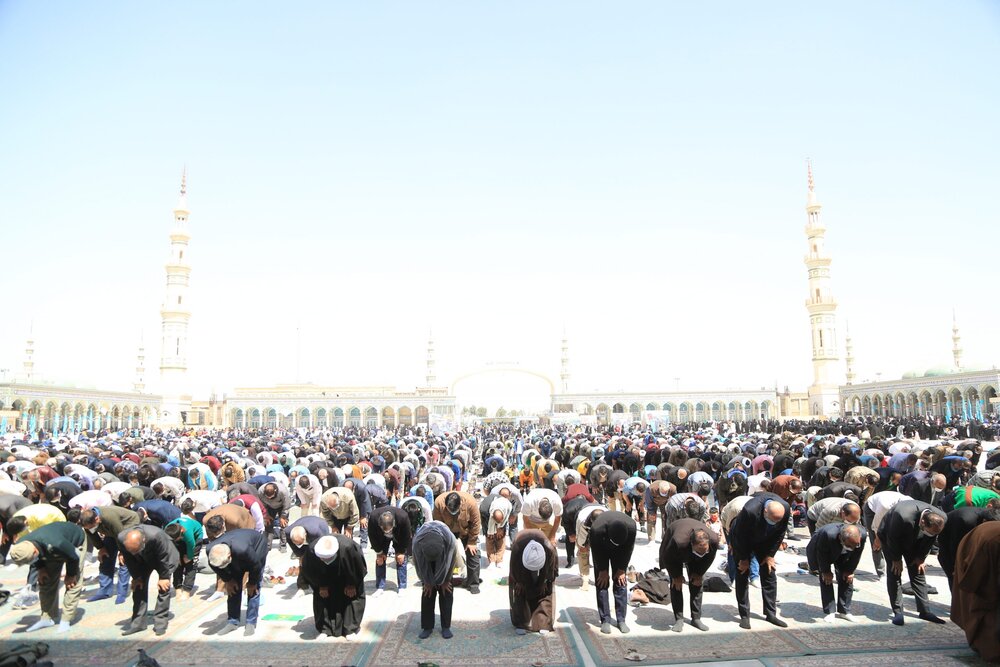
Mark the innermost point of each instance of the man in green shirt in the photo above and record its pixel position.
(975, 496)
(187, 535)
(53, 546)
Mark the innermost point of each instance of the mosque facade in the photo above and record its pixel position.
(27, 403)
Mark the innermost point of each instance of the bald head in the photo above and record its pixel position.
(851, 513)
(220, 556)
(298, 536)
(134, 541)
(850, 536)
(774, 512)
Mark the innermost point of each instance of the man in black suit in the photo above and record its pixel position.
(928, 490)
(687, 542)
(758, 531)
(233, 554)
(835, 549)
(961, 522)
(146, 549)
(907, 533)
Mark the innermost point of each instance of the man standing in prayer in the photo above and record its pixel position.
(533, 572)
(433, 555)
(335, 569)
(146, 549)
(690, 543)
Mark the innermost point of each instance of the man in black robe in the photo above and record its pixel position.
(533, 571)
(335, 569)
(961, 522)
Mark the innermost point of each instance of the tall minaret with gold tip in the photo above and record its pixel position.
(175, 314)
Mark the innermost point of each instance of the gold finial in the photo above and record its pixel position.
(809, 170)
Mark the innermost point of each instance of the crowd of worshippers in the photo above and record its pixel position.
(167, 504)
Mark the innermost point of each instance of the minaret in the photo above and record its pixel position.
(850, 357)
(824, 394)
(956, 342)
(140, 368)
(564, 372)
(175, 315)
(29, 356)
(431, 378)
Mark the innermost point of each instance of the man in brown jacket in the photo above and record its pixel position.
(230, 517)
(460, 512)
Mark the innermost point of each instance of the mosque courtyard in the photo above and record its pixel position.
(286, 636)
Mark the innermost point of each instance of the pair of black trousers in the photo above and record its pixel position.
(427, 607)
(845, 594)
(768, 589)
(140, 602)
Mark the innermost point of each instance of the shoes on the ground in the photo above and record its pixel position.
(132, 629)
(745, 622)
(696, 622)
(426, 632)
(606, 628)
(40, 624)
(226, 629)
(63, 627)
(830, 618)
(623, 628)
(897, 619)
(678, 625)
(932, 618)
(847, 616)
(249, 630)
(159, 632)
(520, 631)
(447, 633)
(774, 620)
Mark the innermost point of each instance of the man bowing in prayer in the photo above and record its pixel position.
(612, 539)
(687, 542)
(147, 549)
(757, 531)
(532, 579)
(236, 553)
(335, 569)
(433, 554)
(834, 552)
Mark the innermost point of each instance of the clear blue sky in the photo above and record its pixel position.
(632, 171)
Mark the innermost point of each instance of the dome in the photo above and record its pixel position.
(911, 375)
(937, 372)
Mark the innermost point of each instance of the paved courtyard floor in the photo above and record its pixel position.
(484, 636)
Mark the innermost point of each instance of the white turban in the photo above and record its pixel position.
(326, 548)
(533, 556)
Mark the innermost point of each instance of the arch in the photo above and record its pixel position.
(586, 409)
(671, 411)
(388, 416)
(321, 417)
(686, 412)
(371, 417)
(271, 418)
(651, 407)
(302, 419)
(989, 392)
(354, 417)
(701, 410)
(254, 420)
(422, 414)
(766, 409)
(618, 408)
(717, 411)
(502, 369)
(636, 410)
(404, 416)
(603, 413)
(337, 418)
(925, 403)
(732, 409)
(238, 417)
